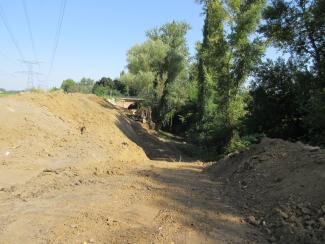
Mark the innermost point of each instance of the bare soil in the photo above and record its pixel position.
(280, 187)
(73, 169)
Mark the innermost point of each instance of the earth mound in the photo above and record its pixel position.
(280, 186)
(41, 131)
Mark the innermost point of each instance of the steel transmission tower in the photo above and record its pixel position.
(30, 72)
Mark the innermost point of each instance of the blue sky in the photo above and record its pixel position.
(95, 37)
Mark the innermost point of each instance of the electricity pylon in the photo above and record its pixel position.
(30, 72)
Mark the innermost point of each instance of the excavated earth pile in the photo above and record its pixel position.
(73, 169)
(280, 187)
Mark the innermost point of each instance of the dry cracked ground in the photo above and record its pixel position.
(73, 169)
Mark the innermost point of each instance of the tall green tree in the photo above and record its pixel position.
(144, 76)
(175, 67)
(158, 70)
(227, 56)
(278, 90)
(297, 27)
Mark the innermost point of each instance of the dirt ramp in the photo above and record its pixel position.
(55, 130)
(91, 117)
(281, 187)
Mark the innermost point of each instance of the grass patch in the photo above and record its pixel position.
(6, 94)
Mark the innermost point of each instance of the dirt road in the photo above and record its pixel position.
(74, 170)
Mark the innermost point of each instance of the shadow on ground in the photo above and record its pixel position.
(154, 148)
(187, 194)
(199, 204)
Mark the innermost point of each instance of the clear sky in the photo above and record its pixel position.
(95, 37)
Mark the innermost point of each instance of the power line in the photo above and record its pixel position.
(29, 72)
(13, 39)
(57, 35)
(29, 29)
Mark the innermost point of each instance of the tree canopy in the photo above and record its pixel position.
(158, 70)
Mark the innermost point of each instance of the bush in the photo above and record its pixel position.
(315, 119)
(69, 86)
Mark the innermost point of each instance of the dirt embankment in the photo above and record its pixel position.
(55, 130)
(280, 186)
(74, 170)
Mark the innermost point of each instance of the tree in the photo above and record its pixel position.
(120, 87)
(298, 28)
(145, 62)
(86, 85)
(227, 56)
(175, 67)
(277, 93)
(69, 86)
(106, 86)
(158, 70)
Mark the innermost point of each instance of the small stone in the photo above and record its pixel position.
(73, 226)
(282, 214)
(91, 240)
(322, 222)
(252, 220)
(311, 148)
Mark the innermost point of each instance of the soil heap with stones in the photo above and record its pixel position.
(280, 186)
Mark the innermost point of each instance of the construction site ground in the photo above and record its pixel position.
(74, 169)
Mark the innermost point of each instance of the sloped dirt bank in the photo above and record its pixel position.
(280, 187)
(74, 170)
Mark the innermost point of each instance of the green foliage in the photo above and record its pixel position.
(239, 142)
(158, 71)
(86, 85)
(69, 86)
(315, 119)
(4, 93)
(226, 58)
(104, 87)
(100, 90)
(54, 89)
(108, 87)
(298, 28)
(277, 98)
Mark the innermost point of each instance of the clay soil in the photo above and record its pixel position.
(280, 188)
(74, 169)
